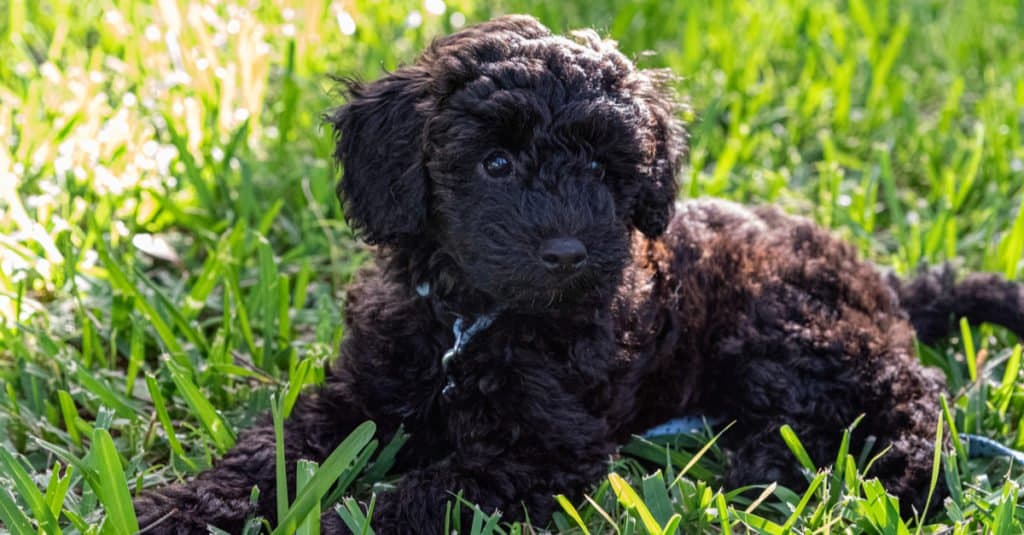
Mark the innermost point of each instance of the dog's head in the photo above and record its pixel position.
(520, 160)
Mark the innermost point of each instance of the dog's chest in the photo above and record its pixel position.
(511, 397)
(502, 367)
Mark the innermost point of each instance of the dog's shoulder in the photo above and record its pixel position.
(376, 302)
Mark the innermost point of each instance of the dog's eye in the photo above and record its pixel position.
(595, 167)
(498, 164)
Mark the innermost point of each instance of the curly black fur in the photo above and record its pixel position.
(746, 314)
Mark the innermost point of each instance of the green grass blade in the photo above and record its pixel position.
(280, 463)
(631, 501)
(1013, 246)
(656, 497)
(321, 482)
(969, 354)
(570, 510)
(304, 471)
(643, 448)
(1004, 518)
(70, 415)
(798, 510)
(165, 419)
(124, 406)
(297, 380)
(136, 355)
(193, 335)
(386, 458)
(120, 281)
(110, 485)
(954, 434)
(723, 514)
(13, 517)
(795, 446)
(215, 426)
(353, 516)
(936, 468)
(57, 488)
(351, 472)
(269, 295)
(29, 492)
(1009, 384)
(213, 268)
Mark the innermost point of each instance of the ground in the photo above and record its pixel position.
(173, 256)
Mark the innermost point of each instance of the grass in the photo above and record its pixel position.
(172, 257)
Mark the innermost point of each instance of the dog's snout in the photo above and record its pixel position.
(562, 254)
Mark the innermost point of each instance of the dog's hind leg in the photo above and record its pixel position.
(904, 439)
(794, 359)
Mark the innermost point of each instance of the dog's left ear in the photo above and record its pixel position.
(656, 201)
(378, 133)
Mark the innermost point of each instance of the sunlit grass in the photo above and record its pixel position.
(172, 254)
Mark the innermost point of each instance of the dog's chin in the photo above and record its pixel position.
(567, 296)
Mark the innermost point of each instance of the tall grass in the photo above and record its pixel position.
(172, 256)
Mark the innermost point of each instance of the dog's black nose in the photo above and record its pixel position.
(563, 254)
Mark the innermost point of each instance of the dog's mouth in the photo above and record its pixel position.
(568, 293)
(579, 289)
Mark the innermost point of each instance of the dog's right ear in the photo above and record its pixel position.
(378, 135)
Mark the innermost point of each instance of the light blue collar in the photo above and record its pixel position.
(463, 334)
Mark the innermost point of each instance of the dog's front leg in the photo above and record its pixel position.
(218, 497)
(510, 453)
(419, 501)
(516, 488)
(221, 496)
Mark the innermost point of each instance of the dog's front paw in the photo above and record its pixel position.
(168, 511)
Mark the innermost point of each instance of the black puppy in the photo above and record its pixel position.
(535, 301)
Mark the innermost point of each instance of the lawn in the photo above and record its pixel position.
(173, 259)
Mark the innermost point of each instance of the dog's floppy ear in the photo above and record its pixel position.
(656, 201)
(378, 135)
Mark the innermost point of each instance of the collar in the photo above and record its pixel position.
(464, 330)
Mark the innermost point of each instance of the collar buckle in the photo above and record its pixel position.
(462, 337)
